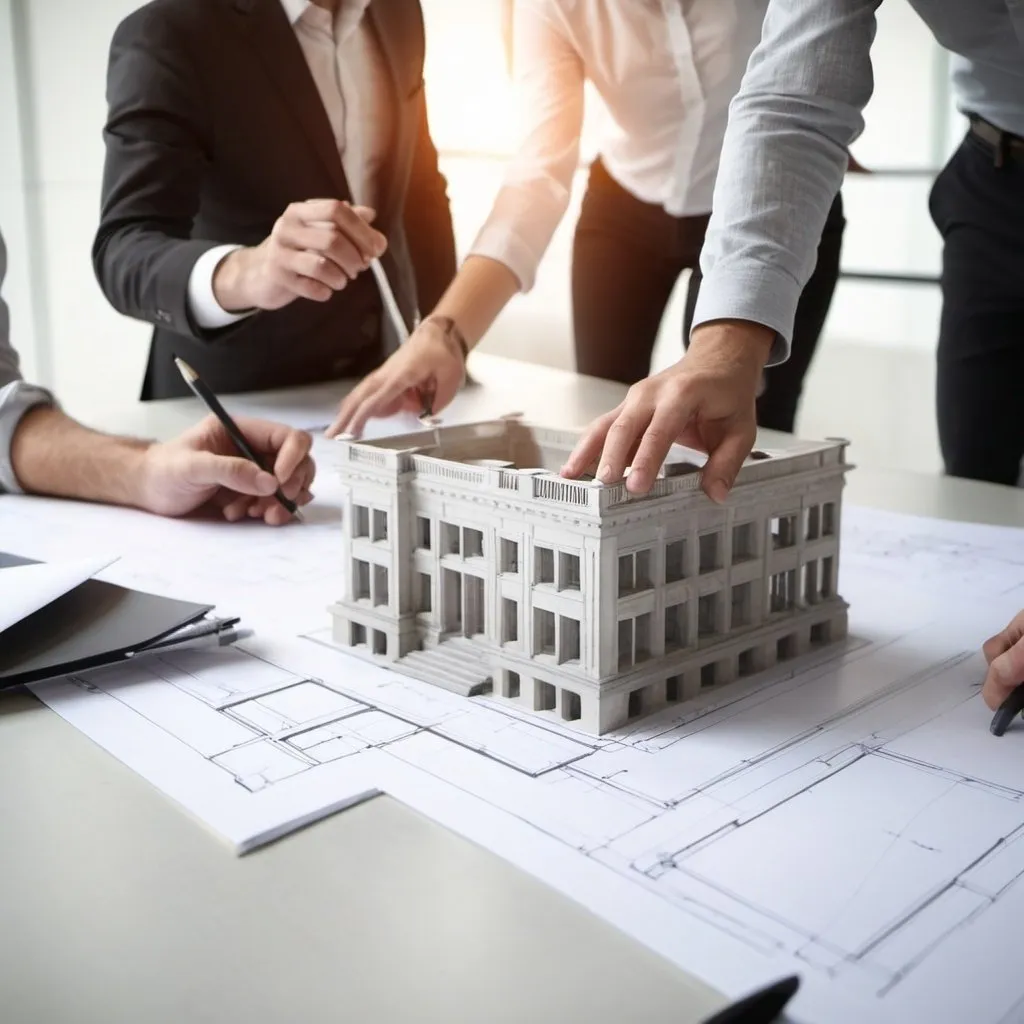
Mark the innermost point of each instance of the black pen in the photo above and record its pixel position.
(1008, 711)
(209, 399)
(762, 1007)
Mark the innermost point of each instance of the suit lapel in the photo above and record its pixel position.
(273, 38)
(391, 21)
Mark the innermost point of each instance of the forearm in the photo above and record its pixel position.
(54, 455)
(481, 290)
(783, 160)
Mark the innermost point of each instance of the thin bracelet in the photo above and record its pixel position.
(451, 330)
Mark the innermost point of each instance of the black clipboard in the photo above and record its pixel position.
(94, 625)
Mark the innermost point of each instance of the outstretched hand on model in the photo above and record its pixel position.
(705, 401)
(430, 367)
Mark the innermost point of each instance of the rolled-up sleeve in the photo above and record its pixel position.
(16, 398)
(549, 91)
(798, 110)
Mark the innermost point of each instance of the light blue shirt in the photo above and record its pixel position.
(16, 397)
(790, 127)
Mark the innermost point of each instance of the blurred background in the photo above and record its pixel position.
(873, 378)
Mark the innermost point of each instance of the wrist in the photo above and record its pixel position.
(451, 333)
(739, 339)
(231, 282)
(136, 472)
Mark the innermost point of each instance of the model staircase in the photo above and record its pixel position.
(455, 664)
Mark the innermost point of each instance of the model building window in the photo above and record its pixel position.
(509, 555)
(357, 634)
(569, 639)
(544, 565)
(634, 640)
(543, 697)
(675, 551)
(820, 633)
(625, 643)
(828, 519)
(813, 517)
(360, 521)
(509, 621)
(707, 676)
(380, 525)
(642, 638)
(744, 543)
(568, 571)
(783, 531)
(675, 627)
(707, 615)
(424, 592)
(673, 688)
(635, 706)
(511, 684)
(811, 592)
(361, 579)
(472, 543)
(423, 533)
(380, 642)
(742, 605)
(570, 706)
(709, 552)
(380, 584)
(635, 572)
(543, 631)
(827, 576)
(747, 663)
(782, 591)
(450, 539)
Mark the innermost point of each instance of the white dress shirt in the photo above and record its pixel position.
(351, 78)
(665, 71)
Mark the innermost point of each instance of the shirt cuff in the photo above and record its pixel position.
(16, 399)
(498, 243)
(761, 295)
(202, 303)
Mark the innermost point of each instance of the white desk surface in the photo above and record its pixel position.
(117, 907)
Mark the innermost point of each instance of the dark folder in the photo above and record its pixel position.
(93, 625)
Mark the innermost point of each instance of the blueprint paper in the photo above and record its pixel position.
(848, 817)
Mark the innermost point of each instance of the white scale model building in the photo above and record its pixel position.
(472, 565)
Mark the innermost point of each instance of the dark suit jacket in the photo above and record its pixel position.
(214, 127)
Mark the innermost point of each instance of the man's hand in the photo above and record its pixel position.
(202, 467)
(705, 401)
(1004, 653)
(430, 365)
(313, 251)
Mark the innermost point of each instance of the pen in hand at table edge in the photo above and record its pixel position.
(210, 400)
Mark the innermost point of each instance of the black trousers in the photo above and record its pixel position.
(978, 209)
(627, 258)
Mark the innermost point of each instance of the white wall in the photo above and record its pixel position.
(52, 69)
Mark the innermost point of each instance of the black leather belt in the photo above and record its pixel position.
(1003, 144)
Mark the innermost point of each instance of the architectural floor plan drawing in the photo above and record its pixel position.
(846, 816)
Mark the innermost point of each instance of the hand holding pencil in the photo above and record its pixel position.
(245, 468)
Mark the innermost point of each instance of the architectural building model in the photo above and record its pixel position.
(471, 564)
